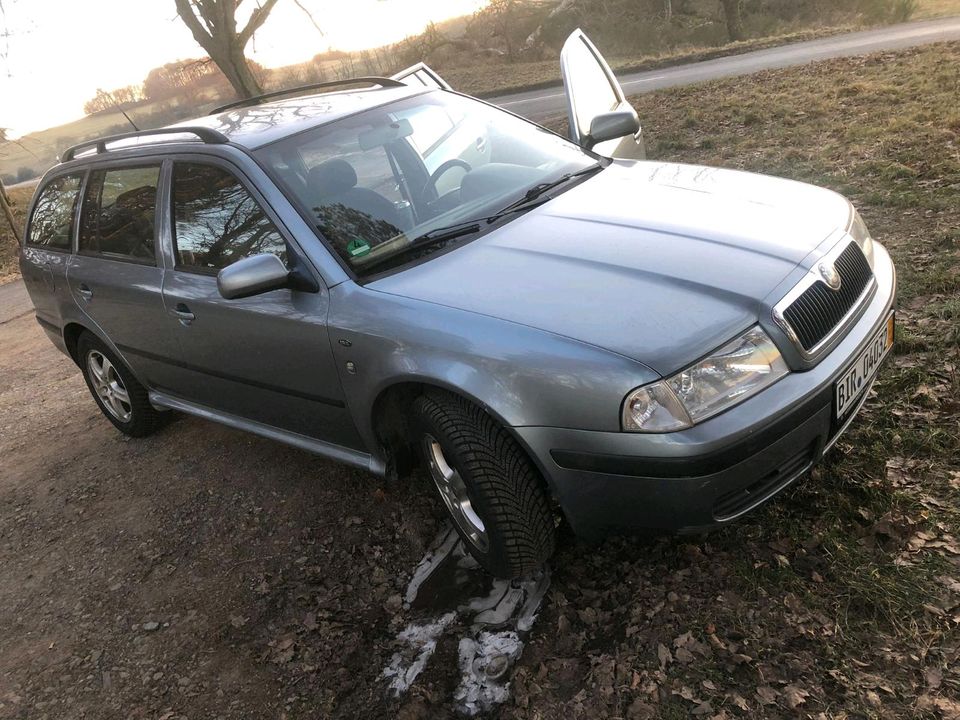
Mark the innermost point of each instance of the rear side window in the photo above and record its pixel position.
(119, 213)
(216, 220)
(51, 225)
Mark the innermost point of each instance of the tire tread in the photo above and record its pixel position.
(498, 469)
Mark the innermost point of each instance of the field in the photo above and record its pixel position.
(207, 573)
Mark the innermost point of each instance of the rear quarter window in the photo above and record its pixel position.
(51, 225)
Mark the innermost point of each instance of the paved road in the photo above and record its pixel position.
(538, 104)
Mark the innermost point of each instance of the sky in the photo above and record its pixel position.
(60, 51)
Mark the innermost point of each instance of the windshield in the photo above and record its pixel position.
(382, 183)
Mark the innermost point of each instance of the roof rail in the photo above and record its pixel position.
(205, 134)
(369, 80)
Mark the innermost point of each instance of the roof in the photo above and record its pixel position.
(258, 125)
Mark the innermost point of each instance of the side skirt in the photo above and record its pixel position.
(339, 453)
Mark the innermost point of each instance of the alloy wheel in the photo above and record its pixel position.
(453, 490)
(108, 386)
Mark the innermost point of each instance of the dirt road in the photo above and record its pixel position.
(173, 573)
(14, 301)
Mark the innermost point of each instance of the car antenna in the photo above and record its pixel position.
(117, 106)
(128, 119)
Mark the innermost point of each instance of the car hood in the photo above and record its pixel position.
(659, 262)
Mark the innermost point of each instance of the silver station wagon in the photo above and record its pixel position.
(392, 274)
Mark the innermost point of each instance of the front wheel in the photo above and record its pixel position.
(493, 493)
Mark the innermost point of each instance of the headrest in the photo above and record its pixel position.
(331, 178)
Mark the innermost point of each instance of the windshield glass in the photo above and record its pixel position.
(377, 182)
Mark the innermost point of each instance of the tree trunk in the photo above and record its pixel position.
(215, 30)
(733, 11)
(246, 84)
(8, 212)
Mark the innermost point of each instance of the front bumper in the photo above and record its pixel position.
(718, 470)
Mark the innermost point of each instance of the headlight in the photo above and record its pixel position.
(729, 376)
(858, 231)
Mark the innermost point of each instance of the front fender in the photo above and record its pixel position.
(521, 375)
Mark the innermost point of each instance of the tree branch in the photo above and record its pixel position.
(309, 15)
(185, 11)
(257, 18)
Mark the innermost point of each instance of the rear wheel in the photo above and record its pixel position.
(490, 488)
(121, 398)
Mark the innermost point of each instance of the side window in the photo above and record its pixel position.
(51, 225)
(119, 213)
(216, 221)
(431, 125)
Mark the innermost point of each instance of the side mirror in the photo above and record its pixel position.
(612, 125)
(252, 276)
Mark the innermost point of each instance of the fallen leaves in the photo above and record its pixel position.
(795, 696)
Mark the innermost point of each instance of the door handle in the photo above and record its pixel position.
(85, 292)
(183, 314)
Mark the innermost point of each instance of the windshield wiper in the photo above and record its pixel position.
(441, 235)
(437, 236)
(539, 189)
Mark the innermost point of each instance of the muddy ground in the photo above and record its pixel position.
(206, 573)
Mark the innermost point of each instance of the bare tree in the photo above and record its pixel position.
(4, 35)
(5, 199)
(733, 12)
(214, 26)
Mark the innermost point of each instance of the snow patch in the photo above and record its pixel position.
(498, 615)
(420, 641)
(485, 664)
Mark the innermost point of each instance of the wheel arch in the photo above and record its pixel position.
(390, 424)
(72, 331)
(71, 336)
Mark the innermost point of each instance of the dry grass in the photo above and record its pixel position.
(927, 9)
(20, 198)
(846, 587)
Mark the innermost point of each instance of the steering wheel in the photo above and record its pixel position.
(444, 166)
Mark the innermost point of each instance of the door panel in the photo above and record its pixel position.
(265, 358)
(592, 89)
(113, 277)
(124, 301)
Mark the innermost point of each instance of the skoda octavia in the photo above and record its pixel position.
(389, 273)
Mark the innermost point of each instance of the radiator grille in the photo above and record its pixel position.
(819, 309)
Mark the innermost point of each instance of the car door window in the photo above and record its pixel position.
(217, 221)
(119, 214)
(51, 225)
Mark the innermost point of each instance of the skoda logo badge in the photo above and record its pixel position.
(830, 276)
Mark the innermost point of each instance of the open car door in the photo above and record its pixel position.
(421, 74)
(601, 119)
